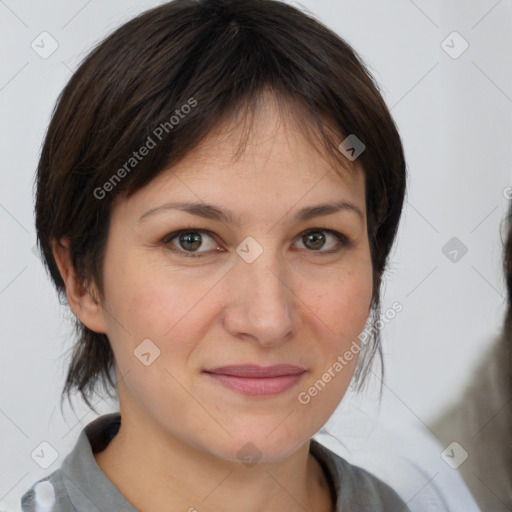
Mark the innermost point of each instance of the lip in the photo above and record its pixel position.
(255, 371)
(255, 380)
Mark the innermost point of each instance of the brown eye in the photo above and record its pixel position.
(316, 239)
(187, 242)
(190, 240)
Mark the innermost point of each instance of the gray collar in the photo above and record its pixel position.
(90, 489)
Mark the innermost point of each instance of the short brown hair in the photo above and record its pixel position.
(223, 54)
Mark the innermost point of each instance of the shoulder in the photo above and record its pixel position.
(75, 484)
(356, 488)
(369, 490)
(48, 493)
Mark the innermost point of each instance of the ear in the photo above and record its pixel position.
(84, 305)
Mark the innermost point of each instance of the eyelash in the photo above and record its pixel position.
(343, 241)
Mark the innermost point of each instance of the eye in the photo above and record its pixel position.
(188, 241)
(314, 239)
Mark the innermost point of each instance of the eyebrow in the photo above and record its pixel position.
(209, 211)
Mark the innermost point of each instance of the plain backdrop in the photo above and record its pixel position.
(453, 108)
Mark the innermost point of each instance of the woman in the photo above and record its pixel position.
(217, 195)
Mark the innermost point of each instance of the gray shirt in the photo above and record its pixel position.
(81, 486)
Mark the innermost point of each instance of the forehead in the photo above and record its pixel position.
(252, 164)
(268, 128)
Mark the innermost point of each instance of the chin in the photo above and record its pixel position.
(257, 448)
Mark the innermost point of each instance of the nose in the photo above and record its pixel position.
(261, 303)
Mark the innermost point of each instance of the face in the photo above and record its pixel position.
(187, 293)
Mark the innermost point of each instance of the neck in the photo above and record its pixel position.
(155, 471)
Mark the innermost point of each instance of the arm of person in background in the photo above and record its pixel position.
(480, 424)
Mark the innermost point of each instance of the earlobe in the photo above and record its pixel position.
(85, 304)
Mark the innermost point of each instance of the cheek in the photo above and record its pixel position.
(172, 318)
(166, 312)
(341, 313)
(168, 308)
(145, 295)
(343, 304)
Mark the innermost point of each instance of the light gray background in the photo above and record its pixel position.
(455, 118)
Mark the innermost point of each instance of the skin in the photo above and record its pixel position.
(181, 430)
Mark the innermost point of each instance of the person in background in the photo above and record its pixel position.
(481, 421)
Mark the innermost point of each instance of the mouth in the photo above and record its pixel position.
(255, 380)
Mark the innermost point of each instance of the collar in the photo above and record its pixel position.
(90, 489)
